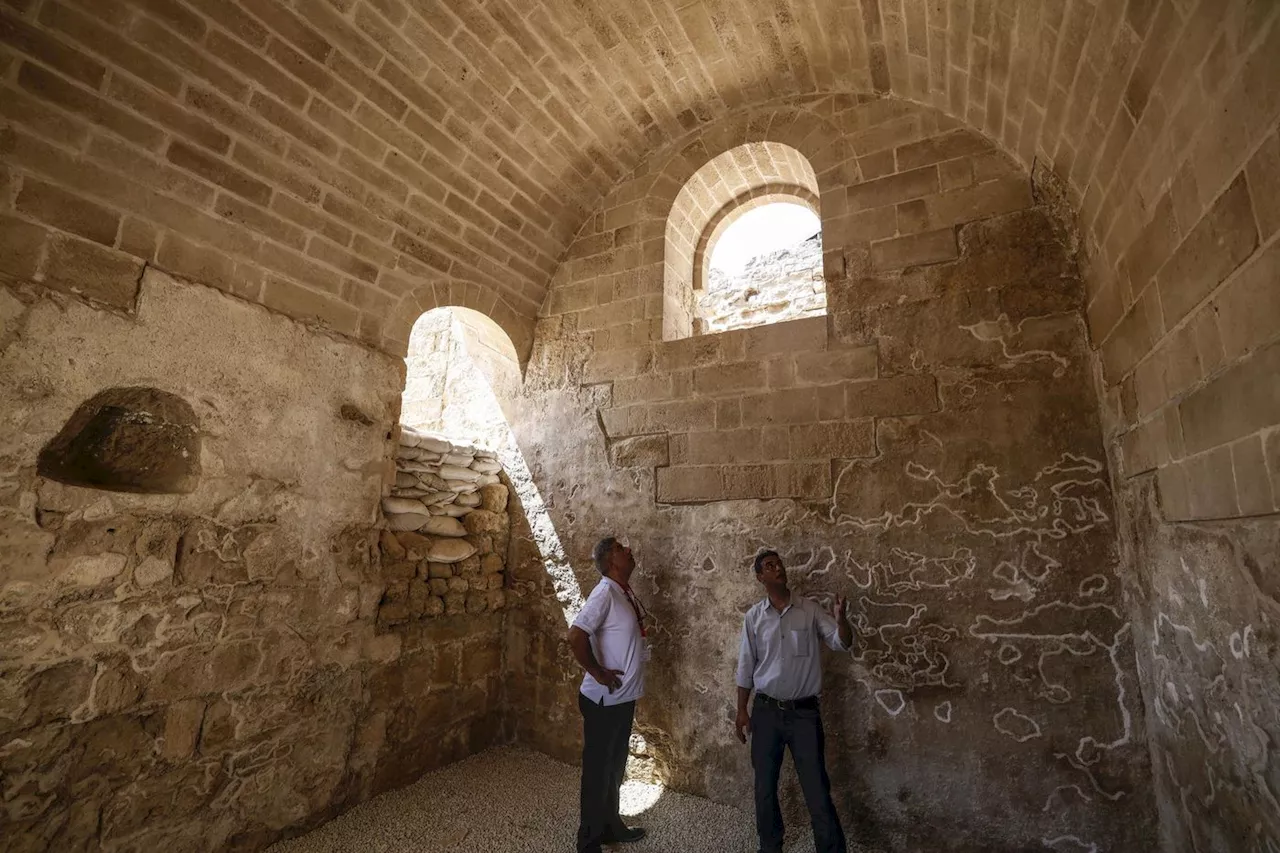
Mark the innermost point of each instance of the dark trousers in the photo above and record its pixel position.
(772, 731)
(606, 736)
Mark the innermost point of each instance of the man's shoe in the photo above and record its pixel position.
(624, 835)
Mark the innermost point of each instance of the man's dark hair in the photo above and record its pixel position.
(764, 555)
(600, 553)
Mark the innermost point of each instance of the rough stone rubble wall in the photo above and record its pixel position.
(931, 448)
(784, 285)
(207, 671)
(445, 550)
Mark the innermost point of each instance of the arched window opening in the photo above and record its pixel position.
(777, 184)
(763, 265)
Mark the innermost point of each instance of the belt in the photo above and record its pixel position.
(808, 703)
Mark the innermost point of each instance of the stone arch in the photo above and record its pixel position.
(428, 295)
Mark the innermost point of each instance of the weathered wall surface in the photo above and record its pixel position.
(205, 670)
(932, 449)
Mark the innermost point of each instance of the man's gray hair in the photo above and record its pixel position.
(600, 553)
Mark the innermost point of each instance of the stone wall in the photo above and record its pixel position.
(784, 285)
(932, 449)
(200, 664)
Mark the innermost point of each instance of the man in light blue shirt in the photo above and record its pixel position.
(778, 659)
(609, 640)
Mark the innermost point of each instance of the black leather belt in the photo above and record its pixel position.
(808, 703)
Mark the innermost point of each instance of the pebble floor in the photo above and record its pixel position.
(517, 801)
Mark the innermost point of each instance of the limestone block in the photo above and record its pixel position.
(181, 728)
(435, 606)
(152, 571)
(493, 497)
(398, 506)
(443, 525)
(455, 603)
(447, 550)
(394, 612)
(477, 602)
(484, 521)
(407, 521)
(439, 586)
(458, 585)
(491, 563)
(398, 570)
(415, 544)
(495, 581)
(391, 547)
(419, 594)
(478, 583)
(483, 543)
(497, 599)
(439, 570)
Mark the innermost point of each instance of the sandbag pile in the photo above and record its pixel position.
(437, 482)
(444, 552)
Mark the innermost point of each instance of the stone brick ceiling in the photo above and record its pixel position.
(466, 141)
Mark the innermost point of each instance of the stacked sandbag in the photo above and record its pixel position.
(444, 552)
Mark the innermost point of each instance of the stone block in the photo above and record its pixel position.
(1219, 243)
(687, 352)
(804, 480)
(659, 417)
(913, 217)
(642, 389)
(182, 722)
(740, 482)
(929, 247)
(1133, 337)
(497, 599)
(494, 497)
(793, 406)
(697, 484)
(844, 439)
(458, 584)
(823, 368)
(728, 378)
(728, 414)
(1211, 485)
(1253, 479)
(956, 174)
(477, 601)
(891, 190)
(1243, 400)
(1174, 498)
(102, 274)
(67, 211)
(415, 545)
(1154, 245)
(1248, 307)
(948, 146)
(1005, 195)
(1263, 174)
(21, 245)
(491, 564)
(912, 394)
(390, 546)
(439, 586)
(468, 568)
(808, 333)
(482, 521)
(722, 447)
(641, 451)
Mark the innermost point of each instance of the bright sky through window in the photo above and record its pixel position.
(763, 231)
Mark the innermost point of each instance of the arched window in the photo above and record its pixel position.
(756, 191)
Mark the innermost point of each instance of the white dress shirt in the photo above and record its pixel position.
(611, 622)
(778, 653)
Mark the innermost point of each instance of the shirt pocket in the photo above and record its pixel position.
(799, 643)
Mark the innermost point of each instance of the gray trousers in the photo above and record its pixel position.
(773, 731)
(606, 737)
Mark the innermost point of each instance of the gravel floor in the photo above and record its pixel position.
(517, 801)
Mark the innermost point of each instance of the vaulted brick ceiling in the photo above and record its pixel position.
(468, 140)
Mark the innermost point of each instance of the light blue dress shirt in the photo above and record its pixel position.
(778, 654)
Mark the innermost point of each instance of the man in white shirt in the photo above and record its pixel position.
(778, 659)
(608, 640)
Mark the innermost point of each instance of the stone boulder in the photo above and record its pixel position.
(485, 521)
(494, 497)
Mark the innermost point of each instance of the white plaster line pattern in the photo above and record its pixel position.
(1073, 845)
(892, 701)
(942, 712)
(1002, 329)
(1015, 724)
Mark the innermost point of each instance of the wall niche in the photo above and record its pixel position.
(140, 440)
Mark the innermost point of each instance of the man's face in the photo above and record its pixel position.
(772, 571)
(621, 557)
